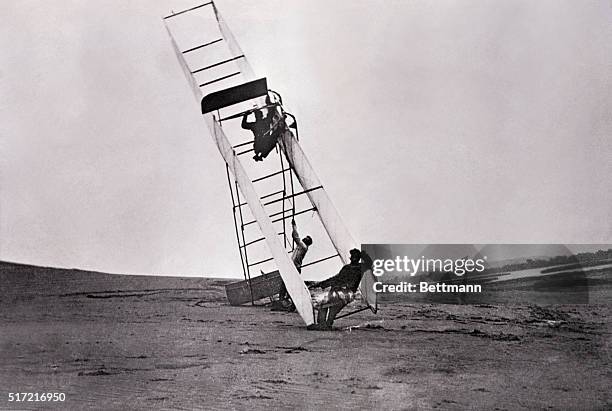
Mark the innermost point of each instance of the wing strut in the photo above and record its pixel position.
(217, 88)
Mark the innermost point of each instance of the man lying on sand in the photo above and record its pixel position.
(342, 289)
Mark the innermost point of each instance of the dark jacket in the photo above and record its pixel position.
(258, 127)
(349, 276)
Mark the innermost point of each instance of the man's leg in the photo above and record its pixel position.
(282, 294)
(258, 146)
(332, 312)
(322, 315)
(327, 315)
(268, 143)
(284, 302)
(321, 322)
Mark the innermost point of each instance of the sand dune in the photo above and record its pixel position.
(117, 342)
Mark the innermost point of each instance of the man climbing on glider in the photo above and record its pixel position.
(261, 133)
(299, 252)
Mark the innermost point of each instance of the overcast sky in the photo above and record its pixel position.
(428, 122)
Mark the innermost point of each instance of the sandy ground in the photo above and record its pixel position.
(118, 342)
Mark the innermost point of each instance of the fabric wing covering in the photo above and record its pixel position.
(339, 235)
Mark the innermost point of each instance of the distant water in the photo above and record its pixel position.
(537, 272)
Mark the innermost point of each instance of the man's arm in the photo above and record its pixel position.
(366, 260)
(245, 124)
(347, 273)
(270, 113)
(337, 280)
(294, 232)
(325, 283)
(296, 237)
